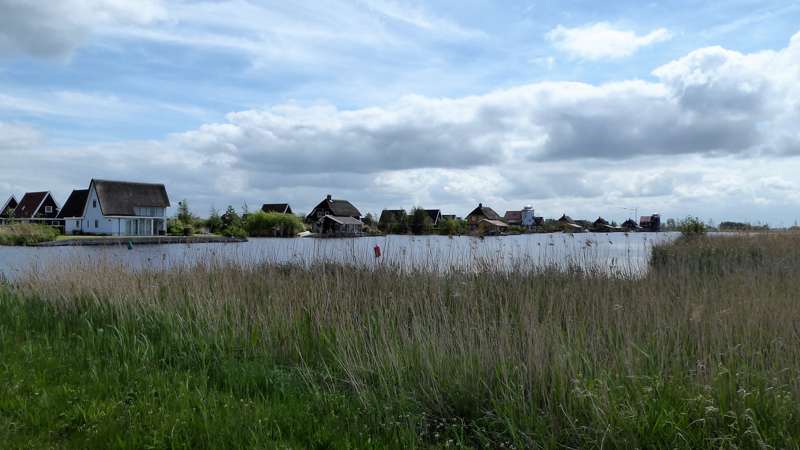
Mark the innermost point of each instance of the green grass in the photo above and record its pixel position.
(702, 352)
(88, 380)
(26, 234)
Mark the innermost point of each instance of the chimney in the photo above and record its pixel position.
(480, 205)
(329, 197)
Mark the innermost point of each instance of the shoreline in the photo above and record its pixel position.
(140, 240)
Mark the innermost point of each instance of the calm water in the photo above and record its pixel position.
(614, 251)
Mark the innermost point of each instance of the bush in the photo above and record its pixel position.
(234, 231)
(26, 234)
(261, 224)
(692, 227)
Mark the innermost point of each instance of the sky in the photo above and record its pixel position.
(579, 107)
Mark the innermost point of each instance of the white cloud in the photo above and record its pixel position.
(602, 41)
(53, 29)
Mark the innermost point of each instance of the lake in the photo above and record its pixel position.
(628, 253)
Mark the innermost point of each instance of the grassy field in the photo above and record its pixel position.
(702, 352)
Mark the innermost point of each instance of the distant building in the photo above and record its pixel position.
(481, 213)
(337, 212)
(120, 208)
(8, 209)
(567, 224)
(528, 217)
(280, 208)
(340, 225)
(435, 215)
(489, 226)
(524, 218)
(650, 223)
(513, 218)
(449, 217)
(630, 225)
(73, 211)
(36, 207)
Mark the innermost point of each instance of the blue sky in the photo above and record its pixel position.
(581, 107)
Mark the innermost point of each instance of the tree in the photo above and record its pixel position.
(184, 215)
(231, 218)
(419, 221)
(214, 222)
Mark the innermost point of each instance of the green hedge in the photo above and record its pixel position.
(261, 224)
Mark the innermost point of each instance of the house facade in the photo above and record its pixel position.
(481, 213)
(330, 214)
(36, 207)
(650, 223)
(119, 208)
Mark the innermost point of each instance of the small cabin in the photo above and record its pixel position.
(480, 213)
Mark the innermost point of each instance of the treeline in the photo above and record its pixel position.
(233, 224)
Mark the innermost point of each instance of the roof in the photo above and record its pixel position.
(392, 215)
(282, 208)
(496, 223)
(8, 206)
(339, 208)
(121, 198)
(29, 205)
(485, 211)
(601, 221)
(513, 216)
(645, 219)
(566, 218)
(75, 204)
(434, 214)
(344, 220)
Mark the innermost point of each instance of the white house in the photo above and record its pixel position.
(117, 208)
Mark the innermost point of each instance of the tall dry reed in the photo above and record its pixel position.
(703, 350)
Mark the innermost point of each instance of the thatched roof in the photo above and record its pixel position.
(484, 211)
(121, 198)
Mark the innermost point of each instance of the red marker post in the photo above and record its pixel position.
(377, 250)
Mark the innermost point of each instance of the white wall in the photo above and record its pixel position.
(93, 221)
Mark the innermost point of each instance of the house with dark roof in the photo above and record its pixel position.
(73, 210)
(336, 209)
(650, 223)
(630, 225)
(37, 207)
(122, 208)
(8, 209)
(435, 215)
(481, 213)
(280, 208)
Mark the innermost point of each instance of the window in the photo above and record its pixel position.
(48, 209)
(94, 203)
(96, 224)
(77, 224)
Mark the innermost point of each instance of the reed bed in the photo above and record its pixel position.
(702, 351)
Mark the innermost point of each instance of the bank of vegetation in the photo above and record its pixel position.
(701, 352)
(26, 234)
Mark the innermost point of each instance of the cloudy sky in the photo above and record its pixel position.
(584, 107)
